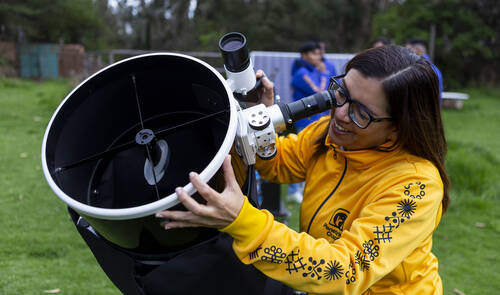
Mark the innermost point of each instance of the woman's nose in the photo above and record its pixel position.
(342, 113)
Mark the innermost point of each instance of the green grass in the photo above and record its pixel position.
(466, 241)
(39, 246)
(41, 250)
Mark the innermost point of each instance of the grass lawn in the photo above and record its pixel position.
(466, 241)
(40, 249)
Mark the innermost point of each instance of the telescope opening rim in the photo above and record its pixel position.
(167, 201)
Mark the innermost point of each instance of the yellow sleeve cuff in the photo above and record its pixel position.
(248, 229)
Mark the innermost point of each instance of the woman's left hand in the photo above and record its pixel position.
(220, 210)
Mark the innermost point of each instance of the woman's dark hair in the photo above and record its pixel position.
(412, 90)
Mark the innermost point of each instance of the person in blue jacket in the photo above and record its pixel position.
(310, 74)
(307, 79)
(419, 46)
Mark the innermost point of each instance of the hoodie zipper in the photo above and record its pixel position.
(334, 151)
(333, 191)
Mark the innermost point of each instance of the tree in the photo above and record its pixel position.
(465, 36)
(344, 25)
(75, 21)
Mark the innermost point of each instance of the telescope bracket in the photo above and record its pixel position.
(255, 134)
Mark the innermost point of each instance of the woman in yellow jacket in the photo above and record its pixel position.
(375, 189)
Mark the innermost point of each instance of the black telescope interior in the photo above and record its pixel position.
(92, 151)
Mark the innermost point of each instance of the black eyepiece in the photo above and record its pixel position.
(306, 107)
(233, 47)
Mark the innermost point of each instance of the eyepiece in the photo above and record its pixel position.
(306, 107)
(233, 47)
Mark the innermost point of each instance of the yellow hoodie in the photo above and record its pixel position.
(366, 221)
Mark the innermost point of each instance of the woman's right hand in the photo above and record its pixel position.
(266, 93)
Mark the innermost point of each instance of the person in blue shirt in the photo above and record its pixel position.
(307, 79)
(419, 46)
(310, 74)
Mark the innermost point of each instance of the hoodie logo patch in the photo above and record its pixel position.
(335, 225)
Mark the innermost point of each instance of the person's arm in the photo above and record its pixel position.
(323, 82)
(390, 227)
(302, 80)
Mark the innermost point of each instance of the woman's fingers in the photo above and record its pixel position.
(203, 188)
(190, 203)
(268, 84)
(229, 173)
(220, 210)
(178, 219)
(179, 224)
(267, 90)
(184, 217)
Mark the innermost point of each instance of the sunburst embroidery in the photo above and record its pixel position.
(407, 208)
(333, 270)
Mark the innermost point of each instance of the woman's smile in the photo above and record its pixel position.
(339, 129)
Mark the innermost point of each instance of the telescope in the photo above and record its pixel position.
(257, 125)
(120, 143)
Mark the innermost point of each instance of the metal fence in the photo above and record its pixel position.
(71, 60)
(97, 60)
(276, 64)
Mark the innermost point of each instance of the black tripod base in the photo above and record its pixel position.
(207, 268)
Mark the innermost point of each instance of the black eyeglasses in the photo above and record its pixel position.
(358, 113)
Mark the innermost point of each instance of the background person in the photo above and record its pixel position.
(310, 74)
(380, 41)
(376, 187)
(325, 66)
(307, 79)
(419, 46)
